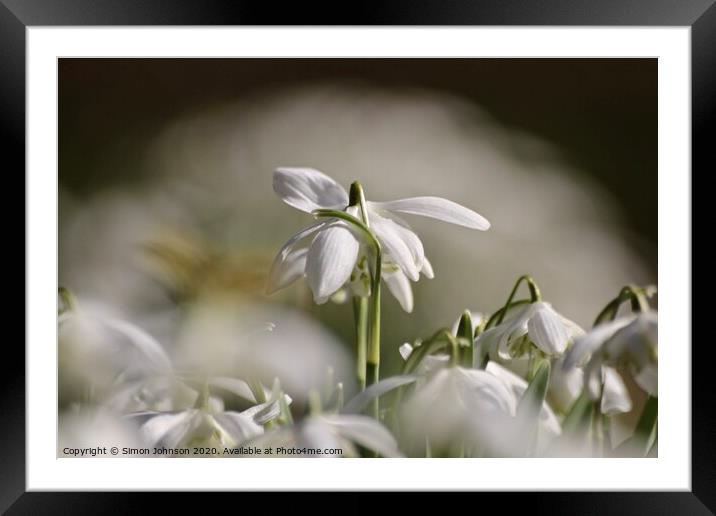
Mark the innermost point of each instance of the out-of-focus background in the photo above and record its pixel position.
(165, 171)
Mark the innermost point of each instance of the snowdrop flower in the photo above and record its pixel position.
(223, 338)
(538, 321)
(95, 347)
(457, 405)
(329, 254)
(548, 423)
(338, 432)
(203, 427)
(628, 343)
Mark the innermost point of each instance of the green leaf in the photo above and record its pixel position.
(436, 343)
(579, 416)
(531, 403)
(530, 406)
(465, 338)
(645, 434)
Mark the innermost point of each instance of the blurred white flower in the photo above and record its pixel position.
(627, 343)
(330, 257)
(95, 347)
(548, 330)
(222, 337)
(565, 385)
(335, 435)
(203, 427)
(548, 423)
(475, 409)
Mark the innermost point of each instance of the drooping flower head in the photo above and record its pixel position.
(330, 255)
(538, 322)
(628, 343)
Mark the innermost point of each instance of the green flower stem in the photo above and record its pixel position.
(286, 415)
(360, 310)
(373, 353)
(535, 294)
(373, 361)
(357, 198)
(493, 320)
(480, 356)
(315, 407)
(374, 344)
(637, 296)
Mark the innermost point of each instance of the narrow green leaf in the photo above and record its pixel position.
(579, 416)
(465, 336)
(530, 406)
(436, 343)
(645, 433)
(531, 403)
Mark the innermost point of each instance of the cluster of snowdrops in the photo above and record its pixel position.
(523, 381)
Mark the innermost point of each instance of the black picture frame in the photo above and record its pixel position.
(17, 15)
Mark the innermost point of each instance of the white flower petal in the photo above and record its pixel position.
(239, 427)
(546, 330)
(391, 238)
(485, 389)
(408, 236)
(488, 342)
(264, 412)
(565, 385)
(593, 378)
(314, 433)
(513, 327)
(638, 340)
(169, 430)
(437, 208)
(427, 269)
(399, 286)
(573, 329)
(330, 261)
(366, 432)
(234, 386)
(286, 267)
(142, 341)
(615, 396)
(287, 271)
(587, 344)
(363, 398)
(307, 189)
